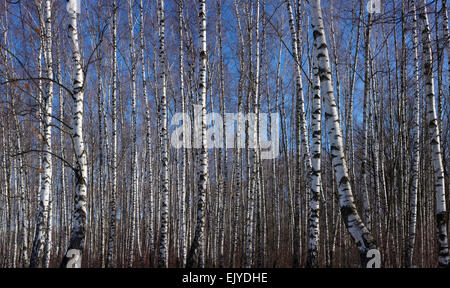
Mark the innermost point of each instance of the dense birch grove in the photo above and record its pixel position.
(91, 91)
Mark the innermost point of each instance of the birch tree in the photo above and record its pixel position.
(113, 164)
(184, 151)
(365, 188)
(134, 133)
(77, 238)
(416, 157)
(197, 248)
(434, 138)
(163, 244)
(43, 228)
(358, 231)
(316, 179)
(301, 133)
(112, 204)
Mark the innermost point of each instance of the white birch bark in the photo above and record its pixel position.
(198, 243)
(434, 138)
(6, 176)
(373, 128)
(364, 168)
(148, 147)
(274, 160)
(252, 190)
(416, 139)
(301, 134)
(133, 134)
(112, 204)
(21, 188)
(163, 244)
(224, 170)
(316, 180)
(238, 187)
(48, 131)
(77, 240)
(183, 245)
(63, 188)
(358, 231)
(42, 240)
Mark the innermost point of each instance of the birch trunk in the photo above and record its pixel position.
(43, 229)
(434, 138)
(276, 193)
(238, 186)
(148, 148)
(316, 180)
(255, 180)
(184, 152)
(21, 188)
(112, 204)
(134, 135)
(358, 231)
(224, 170)
(364, 166)
(302, 136)
(416, 157)
(198, 243)
(163, 243)
(77, 239)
